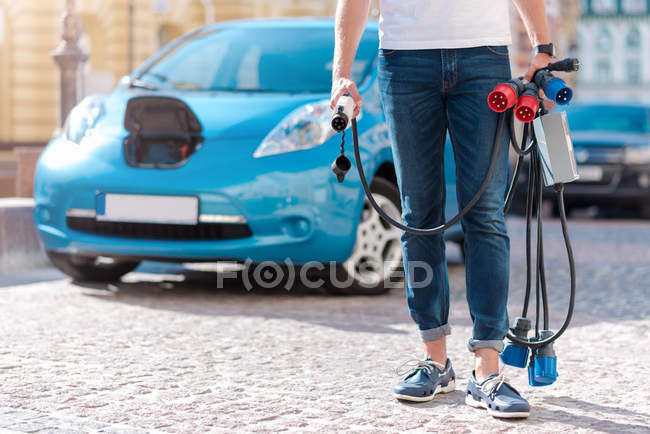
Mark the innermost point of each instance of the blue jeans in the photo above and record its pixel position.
(426, 93)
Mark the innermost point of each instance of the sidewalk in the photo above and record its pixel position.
(172, 352)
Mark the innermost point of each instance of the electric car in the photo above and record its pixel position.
(611, 143)
(219, 148)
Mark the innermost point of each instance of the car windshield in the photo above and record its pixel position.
(282, 60)
(609, 118)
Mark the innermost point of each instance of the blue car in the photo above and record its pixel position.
(219, 148)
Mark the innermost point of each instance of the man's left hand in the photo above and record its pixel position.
(539, 61)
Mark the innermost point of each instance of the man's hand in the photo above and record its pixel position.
(342, 86)
(538, 62)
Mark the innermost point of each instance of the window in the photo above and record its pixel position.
(633, 71)
(633, 39)
(604, 6)
(256, 59)
(604, 40)
(634, 6)
(584, 6)
(604, 71)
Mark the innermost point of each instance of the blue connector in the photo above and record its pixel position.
(558, 91)
(545, 370)
(542, 369)
(513, 354)
(554, 88)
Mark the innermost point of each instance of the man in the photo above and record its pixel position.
(438, 60)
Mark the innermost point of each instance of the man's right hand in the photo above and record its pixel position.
(343, 86)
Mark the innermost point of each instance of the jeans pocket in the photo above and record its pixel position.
(386, 53)
(497, 50)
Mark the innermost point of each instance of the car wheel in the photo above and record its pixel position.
(85, 269)
(377, 253)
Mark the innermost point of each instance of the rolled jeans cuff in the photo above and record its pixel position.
(475, 344)
(436, 333)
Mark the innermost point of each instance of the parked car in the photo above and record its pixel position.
(219, 148)
(611, 142)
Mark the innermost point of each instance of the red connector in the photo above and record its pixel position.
(526, 108)
(505, 95)
(502, 98)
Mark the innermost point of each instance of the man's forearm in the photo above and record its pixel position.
(351, 17)
(533, 14)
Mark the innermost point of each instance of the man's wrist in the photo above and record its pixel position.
(547, 48)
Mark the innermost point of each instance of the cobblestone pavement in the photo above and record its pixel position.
(170, 352)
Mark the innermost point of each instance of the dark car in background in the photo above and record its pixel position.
(611, 142)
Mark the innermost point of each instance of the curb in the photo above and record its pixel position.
(20, 248)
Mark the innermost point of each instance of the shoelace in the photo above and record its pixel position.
(416, 364)
(493, 385)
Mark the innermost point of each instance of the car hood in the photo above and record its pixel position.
(609, 139)
(223, 116)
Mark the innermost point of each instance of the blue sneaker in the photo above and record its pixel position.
(425, 378)
(497, 396)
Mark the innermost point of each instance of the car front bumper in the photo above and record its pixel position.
(620, 185)
(292, 204)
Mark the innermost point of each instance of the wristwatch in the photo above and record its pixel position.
(544, 48)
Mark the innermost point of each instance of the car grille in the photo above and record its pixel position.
(155, 231)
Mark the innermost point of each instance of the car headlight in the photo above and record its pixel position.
(83, 117)
(640, 155)
(306, 127)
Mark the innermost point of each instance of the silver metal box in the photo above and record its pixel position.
(555, 148)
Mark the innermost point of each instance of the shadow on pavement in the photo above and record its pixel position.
(206, 293)
(544, 414)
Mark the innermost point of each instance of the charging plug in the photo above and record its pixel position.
(513, 354)
(341, 166)
(343, 114)
(528, 103)
(566, 65)
(542, 370)
(505, 95)
(555, 88)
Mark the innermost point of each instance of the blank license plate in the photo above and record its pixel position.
(590, 173)
(137, 208)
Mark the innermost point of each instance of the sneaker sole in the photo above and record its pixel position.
(501, 414)
(450, 387)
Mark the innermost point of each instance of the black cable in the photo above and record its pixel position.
(519, 150)
(457, 217)
(559, 188)
(535, 162)
(529, 217)
(540, 243)
(520, 159)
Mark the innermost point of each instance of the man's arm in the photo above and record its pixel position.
(351, 17)
(533, 14)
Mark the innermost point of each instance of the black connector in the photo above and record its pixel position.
(566, 65)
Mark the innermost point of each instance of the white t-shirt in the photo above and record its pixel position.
(428, 24)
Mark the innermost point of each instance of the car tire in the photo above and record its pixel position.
(88, 269)
(377, 243)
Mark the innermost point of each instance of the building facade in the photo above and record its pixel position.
(118, 36)
(613, 44)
